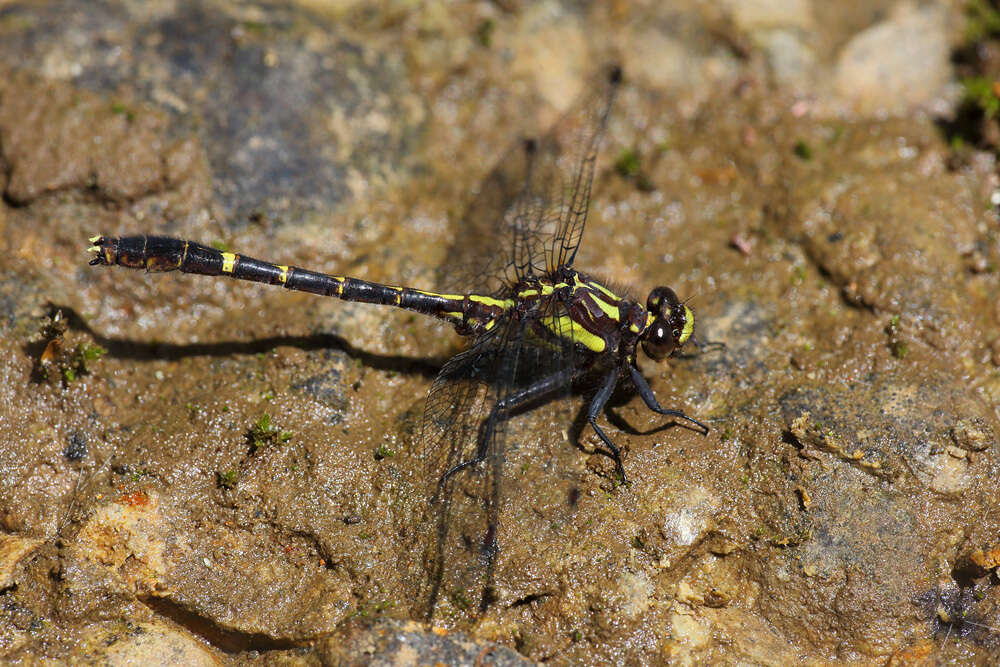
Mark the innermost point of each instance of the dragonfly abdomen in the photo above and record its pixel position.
(471, 313)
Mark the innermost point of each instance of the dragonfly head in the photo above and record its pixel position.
(671, 324)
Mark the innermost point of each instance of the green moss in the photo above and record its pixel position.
(227, 479)
(263, 432)
(983, 20)
(120, 109)
(484, 32)
(254, 26)
(627, 165)
(802, 150)
(91, 352)
(981, 92)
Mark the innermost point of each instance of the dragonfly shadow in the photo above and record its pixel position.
(150, 351)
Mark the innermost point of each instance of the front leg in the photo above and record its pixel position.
(647, 396)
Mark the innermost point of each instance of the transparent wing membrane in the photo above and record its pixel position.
(526, 222)
(529, 214)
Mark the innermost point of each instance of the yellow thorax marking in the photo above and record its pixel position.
(608, 309)
(547, 289)
(594, 286)
(605, 290)
(566, 327)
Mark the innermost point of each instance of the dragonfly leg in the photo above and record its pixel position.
(705, 345)
(502, 410)
(650, 400)
(596, 405)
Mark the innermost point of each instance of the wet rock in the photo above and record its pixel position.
(861, 467)
(841, 508)
(885, 251)
(389, 642)
(13, 549)
(136, 545)
(294, 113)
(150, 643)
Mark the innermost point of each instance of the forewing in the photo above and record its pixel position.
(576, 139)
(529, 214)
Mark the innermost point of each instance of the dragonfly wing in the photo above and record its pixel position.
(576, 138)
(462, 439)
(529, 214)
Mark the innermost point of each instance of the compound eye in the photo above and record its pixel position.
(659, 342)
(662, 301)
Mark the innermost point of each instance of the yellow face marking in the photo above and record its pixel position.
(95, 239)
(688, 326)
(564, 326)
(228, 262)
(94, 248)
(283, 276)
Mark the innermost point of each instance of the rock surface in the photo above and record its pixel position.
(201, 471)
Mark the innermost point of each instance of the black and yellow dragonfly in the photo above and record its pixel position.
(537, 324)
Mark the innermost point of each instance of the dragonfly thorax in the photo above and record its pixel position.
(671, 324)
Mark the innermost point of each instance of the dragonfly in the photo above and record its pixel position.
(537, 326)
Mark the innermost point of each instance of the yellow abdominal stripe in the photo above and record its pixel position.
(228, 262)
(284, 274)
(488, 301)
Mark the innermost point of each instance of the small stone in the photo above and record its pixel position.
(76, 449)
(896, 64)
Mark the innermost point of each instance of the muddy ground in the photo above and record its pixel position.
(195, 470)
